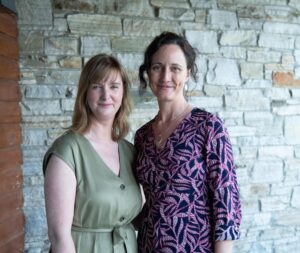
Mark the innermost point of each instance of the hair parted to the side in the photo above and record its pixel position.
(95, 70)
(167, 38)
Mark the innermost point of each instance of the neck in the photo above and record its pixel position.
(99, 131)
(170, 111)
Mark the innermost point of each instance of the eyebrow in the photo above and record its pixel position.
(172, 64)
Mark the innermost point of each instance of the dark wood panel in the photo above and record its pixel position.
(10, 135)
(10, 112)
(9, 90)
(11, 228)
(8, 22)
(10, 204)
(14, 246)
(10, 158)
(11, 177)
(8, 47)
(10, 180)
(9, 69)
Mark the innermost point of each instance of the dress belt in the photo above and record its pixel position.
(118, 234)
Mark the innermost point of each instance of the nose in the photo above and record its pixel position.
(166, 74)
(104, 92)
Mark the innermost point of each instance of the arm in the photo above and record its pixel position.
(60, 188)
(224, 188)
(137, 221)
(223, 246)
(139, 218)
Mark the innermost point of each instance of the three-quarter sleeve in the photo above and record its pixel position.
(222, 182)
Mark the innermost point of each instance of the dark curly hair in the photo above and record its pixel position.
(167, 38)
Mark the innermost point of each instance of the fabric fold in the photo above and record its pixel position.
(119, 236)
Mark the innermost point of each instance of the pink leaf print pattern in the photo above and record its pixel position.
(190, 186)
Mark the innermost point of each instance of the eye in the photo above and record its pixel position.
(156, 67)
(115, 86)
(176, 69)
(96, 86)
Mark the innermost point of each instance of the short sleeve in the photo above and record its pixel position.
(63, 147)
(223, 182)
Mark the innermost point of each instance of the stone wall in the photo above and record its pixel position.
(249, 61)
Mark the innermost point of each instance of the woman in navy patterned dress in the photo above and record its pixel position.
(184, 163)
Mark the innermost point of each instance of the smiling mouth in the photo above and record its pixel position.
(165, 86)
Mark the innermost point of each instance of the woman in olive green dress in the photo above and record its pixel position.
(91, 194)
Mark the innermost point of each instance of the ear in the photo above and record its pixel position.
(188, 73)
(148, 79)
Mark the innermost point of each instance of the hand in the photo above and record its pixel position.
(223, 246)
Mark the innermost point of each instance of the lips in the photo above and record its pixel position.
(101, 104)
(165, 86)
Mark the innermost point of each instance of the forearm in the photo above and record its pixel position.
(62, 244)
(223, 246)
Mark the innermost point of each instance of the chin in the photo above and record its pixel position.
(164, 98)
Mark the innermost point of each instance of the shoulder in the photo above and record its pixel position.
(145, 128)
(127, 149)
(127, 146)
(201, 116)
(208, 124)
(63, 147)
(204, 115)
(143, 131)
(69, 141)
(68, 138)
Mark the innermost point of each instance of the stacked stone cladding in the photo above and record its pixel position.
(249, 74)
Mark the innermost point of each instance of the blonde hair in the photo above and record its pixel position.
(98, 68)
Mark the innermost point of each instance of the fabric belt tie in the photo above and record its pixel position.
(118, 234)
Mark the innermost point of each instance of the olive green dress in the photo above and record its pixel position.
(105, 203)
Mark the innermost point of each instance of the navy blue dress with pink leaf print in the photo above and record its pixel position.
(190, 187)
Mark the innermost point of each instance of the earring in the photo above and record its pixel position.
(186, 86)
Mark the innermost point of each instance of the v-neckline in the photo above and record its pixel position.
(107, 168)
(174, 132)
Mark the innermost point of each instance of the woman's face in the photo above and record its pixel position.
(105, 97)
(168, 73)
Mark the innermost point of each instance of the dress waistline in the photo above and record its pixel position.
(93, 230)
(119, 236)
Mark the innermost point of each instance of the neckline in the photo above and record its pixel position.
(102, 161)
(171, 135)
